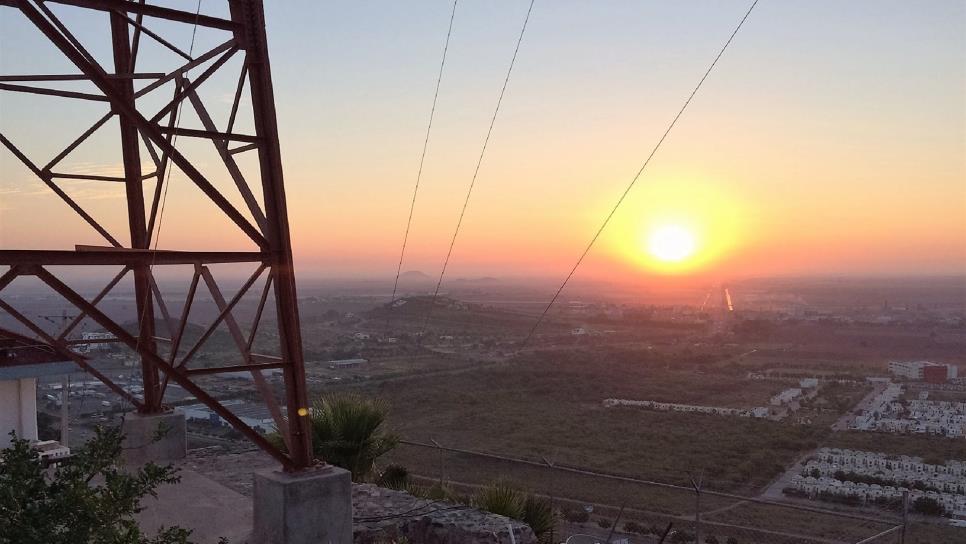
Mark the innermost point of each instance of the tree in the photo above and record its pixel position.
(576, 516)
(347, 432)
(681, 537)
(634, 527)
(90, 498)
(928, 506)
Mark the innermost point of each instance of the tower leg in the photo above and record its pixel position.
(305, 507)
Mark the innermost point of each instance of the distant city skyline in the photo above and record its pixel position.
(830, 139)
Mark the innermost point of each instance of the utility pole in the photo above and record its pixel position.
(64, 411)
(550, 465)
(905, 516)
(65, 382)
(697, 507)
(439, 448)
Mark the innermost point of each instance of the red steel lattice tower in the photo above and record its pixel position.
(149, 133)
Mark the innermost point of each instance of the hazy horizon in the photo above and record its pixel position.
(829, 141)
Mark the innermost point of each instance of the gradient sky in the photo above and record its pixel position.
(830, 139)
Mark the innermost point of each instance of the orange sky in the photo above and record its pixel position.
(816, 147)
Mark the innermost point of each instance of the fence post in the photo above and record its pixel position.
(440, 450)
(553, 525)
(905, 516)
(697, 509)
(613, 526)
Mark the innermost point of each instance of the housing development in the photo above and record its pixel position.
(874, 478)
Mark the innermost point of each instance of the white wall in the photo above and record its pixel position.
(18, 409)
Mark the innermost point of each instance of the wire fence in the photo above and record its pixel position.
(628, 510)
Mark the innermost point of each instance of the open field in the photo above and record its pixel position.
(550, 407)
(553, 408)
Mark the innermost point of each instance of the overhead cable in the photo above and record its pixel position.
(422, 159)
(479, 162)
(640, 171)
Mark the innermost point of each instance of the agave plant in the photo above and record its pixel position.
(347, 432)
(539, 515)
(394, 476)
(504, 499)
(501, 498)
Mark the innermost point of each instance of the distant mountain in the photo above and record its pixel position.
(476, 281)
(414, 275)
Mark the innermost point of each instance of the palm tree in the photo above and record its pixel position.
(347, 432)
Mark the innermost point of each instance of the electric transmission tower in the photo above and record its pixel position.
(142, 86)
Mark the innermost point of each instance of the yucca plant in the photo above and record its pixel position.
(501, 498)
(539, 515)
(394, 476)
(347, 431)
(504, 499)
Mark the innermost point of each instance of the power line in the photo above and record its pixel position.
(422, 159)
(174, 142)
(639, 172)
(479, 162)
(167, 183)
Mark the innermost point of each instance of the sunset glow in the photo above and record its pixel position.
(738, 173)
(672, 243)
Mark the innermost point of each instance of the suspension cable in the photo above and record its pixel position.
(639, 172)
(422, 159)
(479, 162)
(164, 197)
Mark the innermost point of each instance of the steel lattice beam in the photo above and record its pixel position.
(267, 228)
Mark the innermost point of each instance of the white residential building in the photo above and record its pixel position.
(786, 397)
(99, 341)
(833, 471)
(913, 370)
(920, 416)
(689, 408)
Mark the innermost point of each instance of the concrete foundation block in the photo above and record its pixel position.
(160, 438)
(309, 507)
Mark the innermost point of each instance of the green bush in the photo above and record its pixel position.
(928, 506)
(576, 516)
(635, 527)
(90, 499)
(394, 476)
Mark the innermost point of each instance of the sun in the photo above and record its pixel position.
(671, 243)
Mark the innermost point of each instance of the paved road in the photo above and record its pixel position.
(774, 490)
(842, 423)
